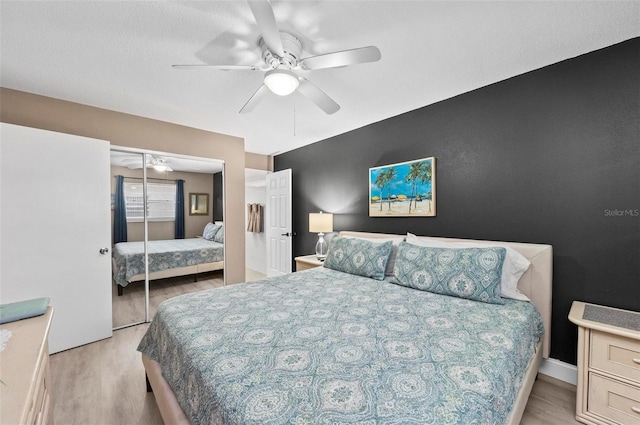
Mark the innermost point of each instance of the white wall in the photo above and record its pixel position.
(255, 243)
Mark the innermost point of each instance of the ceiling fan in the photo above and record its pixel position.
(158, 164)
(281, 56)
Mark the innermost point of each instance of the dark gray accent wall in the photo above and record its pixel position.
(551, 156)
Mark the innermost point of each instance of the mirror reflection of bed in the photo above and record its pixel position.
(180, 259)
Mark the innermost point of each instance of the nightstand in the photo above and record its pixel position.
(308, 262)
(608, 388)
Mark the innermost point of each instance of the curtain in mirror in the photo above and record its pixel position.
(119, 213)
(179, 219)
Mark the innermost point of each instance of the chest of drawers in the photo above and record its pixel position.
(608, 390)
(25, 396)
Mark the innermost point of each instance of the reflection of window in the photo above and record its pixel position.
(161, 201)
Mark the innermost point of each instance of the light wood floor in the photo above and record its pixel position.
(103, 383)
(551, 402)
(252, 275)
(129, 308)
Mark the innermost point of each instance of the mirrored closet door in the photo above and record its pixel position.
(168, 200)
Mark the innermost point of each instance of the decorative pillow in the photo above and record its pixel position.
(471, 273)
(394, 249)
(219, 236)
(515, 264)
(210, 231)
(358, 256)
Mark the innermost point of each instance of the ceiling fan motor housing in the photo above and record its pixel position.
(292, 48)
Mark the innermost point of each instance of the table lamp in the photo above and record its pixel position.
(320, 223)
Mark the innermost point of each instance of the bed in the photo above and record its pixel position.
(167, 258)
(325, 346)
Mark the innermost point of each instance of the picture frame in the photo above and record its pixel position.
(403, 189)
(198, 204)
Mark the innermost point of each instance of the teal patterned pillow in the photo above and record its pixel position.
(358, 256)
(219, 236)
(210, 231)
(471, 273)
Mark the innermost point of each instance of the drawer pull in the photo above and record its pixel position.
(636, 361)
(636, 409)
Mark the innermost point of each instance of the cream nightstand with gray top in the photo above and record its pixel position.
(308, 262)
(608, 390)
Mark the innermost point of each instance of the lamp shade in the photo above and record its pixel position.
(320, 222)
(281, 81)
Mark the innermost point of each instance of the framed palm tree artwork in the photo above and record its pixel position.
(405, 189)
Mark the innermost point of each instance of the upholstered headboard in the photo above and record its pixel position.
(536, 283)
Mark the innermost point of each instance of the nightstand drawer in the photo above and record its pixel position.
(614, 400)
(616, 355)
(304, 266)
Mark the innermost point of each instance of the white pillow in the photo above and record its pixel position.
(514, 266)
(394, 249)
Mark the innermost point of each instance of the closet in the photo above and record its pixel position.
(156, 191)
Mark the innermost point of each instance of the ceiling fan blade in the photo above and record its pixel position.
(254, 100)
(221, 67)
(342, 58)
(317, 96)
(263, 12)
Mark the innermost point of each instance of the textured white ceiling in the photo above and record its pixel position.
(118, 55)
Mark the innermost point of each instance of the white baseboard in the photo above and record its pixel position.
(559, 370)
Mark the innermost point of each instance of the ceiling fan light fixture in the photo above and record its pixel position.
(281, 81)
(162, 167)
(159, 165)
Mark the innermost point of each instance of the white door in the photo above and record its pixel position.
(278, 223)
(55, 219)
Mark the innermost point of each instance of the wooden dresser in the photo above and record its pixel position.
(608, 390)
(25, 391)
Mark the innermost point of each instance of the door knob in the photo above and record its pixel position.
(104, 250)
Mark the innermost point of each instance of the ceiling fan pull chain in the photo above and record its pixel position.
(295, 101)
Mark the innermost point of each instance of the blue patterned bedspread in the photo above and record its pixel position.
(163, 255)
(325, 347)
